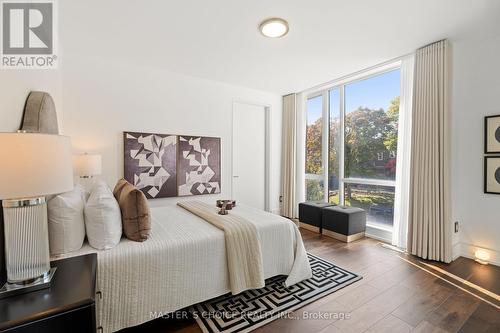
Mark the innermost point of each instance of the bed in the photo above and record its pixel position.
(181, 264)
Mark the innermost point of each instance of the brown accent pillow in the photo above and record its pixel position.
(136, 217)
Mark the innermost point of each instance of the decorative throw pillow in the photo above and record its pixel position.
(102, 218)
(134, 206)
(65, 221)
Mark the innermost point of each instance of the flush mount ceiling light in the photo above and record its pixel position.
(274, 27)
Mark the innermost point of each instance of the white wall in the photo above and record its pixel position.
(104, 97)
(15, 86)
(475, 94)
(97, 98)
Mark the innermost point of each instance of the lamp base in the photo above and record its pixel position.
(12, 289)
(26, 239)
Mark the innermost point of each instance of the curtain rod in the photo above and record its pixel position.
(357, 73)
(435, 42)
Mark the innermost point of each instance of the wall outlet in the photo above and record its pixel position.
(456, 226)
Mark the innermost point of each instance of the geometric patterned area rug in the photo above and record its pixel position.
(254, 308)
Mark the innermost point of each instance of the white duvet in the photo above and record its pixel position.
(184, 263)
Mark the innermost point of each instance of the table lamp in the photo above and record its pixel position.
(33, 166)
(87, 165)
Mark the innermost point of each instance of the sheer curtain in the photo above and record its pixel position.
(429, 225)
(300, 191)
(289, 159)
(293, 154)
(402, 196)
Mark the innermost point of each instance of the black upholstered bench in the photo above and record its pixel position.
(346, 224)
(310, 214)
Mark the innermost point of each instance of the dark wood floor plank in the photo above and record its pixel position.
(393, 277)
(374, 310)
(486, 319)
(428, 297)
(358, 296)
(454, 312)
(485, 276)
(426, 327)
(390, 324)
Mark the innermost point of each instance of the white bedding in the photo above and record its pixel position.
(183, 263)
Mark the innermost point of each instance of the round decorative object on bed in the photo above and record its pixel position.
(136, 217)
(225, 205)
(65, 221)
(221, 202)
(103, 221)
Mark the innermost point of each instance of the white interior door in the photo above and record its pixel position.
(249, 154)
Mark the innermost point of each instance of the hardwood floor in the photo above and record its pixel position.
(393, 296)
(485, 276)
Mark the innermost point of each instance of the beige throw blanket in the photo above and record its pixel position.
(243, 249)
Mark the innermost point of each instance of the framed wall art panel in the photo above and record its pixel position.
(198, 165)
(150, 163)
(492, 135)
(492, 174)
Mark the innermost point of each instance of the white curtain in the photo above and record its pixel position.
(289, 151)
(402, 196)
(300, 192)
(429, 225)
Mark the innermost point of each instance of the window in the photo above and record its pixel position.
(334, 146)
(362, 131)
(377, 201)
(314, 150)
(372, 108)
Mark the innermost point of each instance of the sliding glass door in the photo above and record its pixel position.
(358, 165)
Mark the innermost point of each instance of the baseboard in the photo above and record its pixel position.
(378, 234)
(467, 250)
(456, 251)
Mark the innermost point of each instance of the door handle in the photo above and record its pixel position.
(236, 176)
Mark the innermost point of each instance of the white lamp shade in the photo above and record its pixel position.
(34, 165)
(87, 165)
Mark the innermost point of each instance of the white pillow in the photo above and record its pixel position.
(103, 220)
(65, 221)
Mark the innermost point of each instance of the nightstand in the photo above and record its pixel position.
(67, 306)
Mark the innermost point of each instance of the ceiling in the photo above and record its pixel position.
(219, 39)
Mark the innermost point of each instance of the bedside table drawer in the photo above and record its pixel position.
(80, 320)
(67, 306)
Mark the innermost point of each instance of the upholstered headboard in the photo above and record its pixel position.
(40, 114)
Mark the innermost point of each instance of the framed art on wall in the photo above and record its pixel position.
(150, 163)
(492, 174)
(198, 165)
(492, 134)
